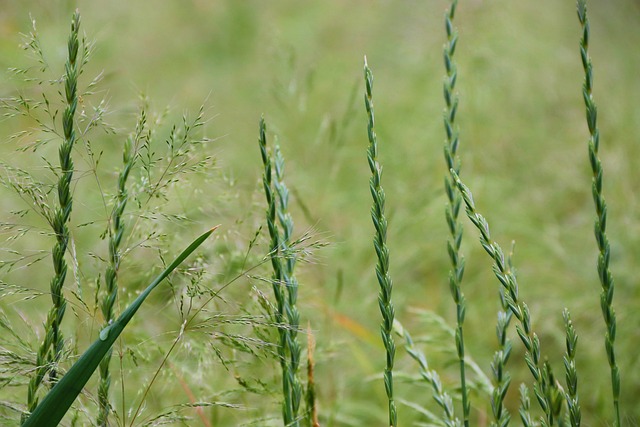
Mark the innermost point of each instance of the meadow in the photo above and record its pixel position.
(186, 83)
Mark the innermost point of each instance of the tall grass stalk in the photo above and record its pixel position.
(52, 346)
(282, 272)
(116, 231)
(454, 201)
(606, 278)
(504, 273)
(380, 245)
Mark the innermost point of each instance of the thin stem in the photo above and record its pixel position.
(380, 245)
(606, 278)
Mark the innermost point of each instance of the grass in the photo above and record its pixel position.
(380, 244)
(520, 119)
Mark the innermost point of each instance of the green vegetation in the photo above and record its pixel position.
(224, 340)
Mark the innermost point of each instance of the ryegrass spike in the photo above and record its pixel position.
(288, 261)
(454, 201)
(52, 345)
(606, 278)
(505, 275)
(380, 245)
(289, 391)
(116, 232)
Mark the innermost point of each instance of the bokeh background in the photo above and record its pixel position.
(523, 151)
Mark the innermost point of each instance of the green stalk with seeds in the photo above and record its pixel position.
(606, 278)
(52, 346)
(501, 377)
(289, 389)
(116, 232)
(288, 260)
(454, 201)
(380, 245)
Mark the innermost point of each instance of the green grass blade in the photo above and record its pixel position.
(58, 401)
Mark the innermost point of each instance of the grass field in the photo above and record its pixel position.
(523, 151)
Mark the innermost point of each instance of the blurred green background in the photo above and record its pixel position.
(523, 151)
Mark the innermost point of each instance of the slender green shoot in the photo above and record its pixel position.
(380, 245)
(57, 402)
(606, 278)
(52, 346)
(505, 275)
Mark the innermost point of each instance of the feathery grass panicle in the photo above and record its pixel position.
(505, 275)
(52, 345)
(571, 373)
(278, 281)
(116, 231)
(454, 200)
(380, 245)
(604, 274)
